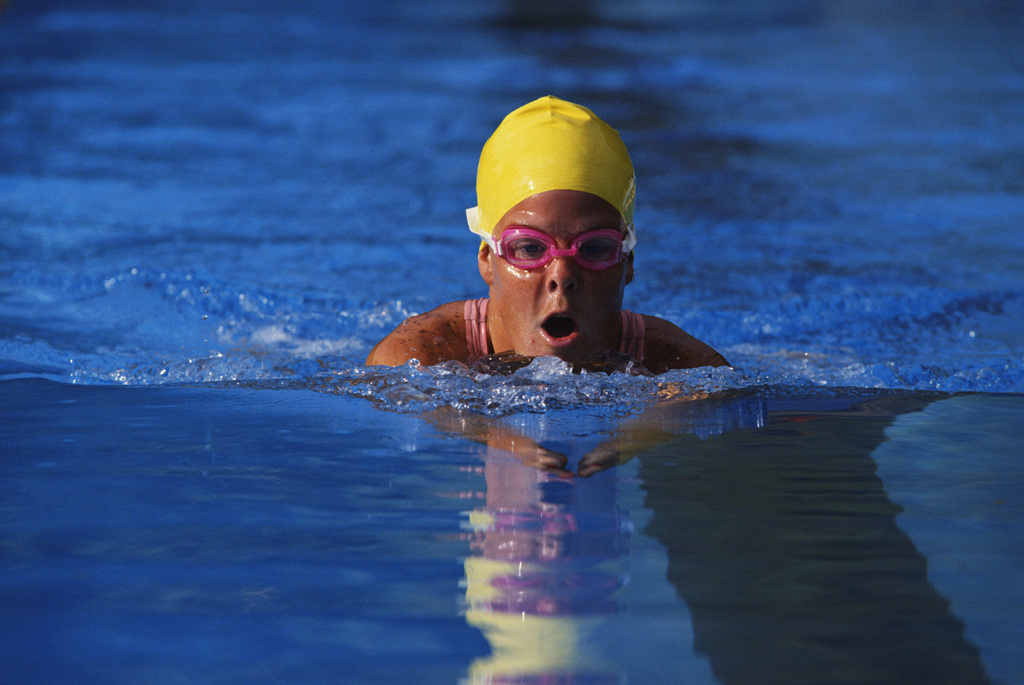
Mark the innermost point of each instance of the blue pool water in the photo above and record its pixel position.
(209, 212)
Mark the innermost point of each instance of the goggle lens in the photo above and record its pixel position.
(530, 249)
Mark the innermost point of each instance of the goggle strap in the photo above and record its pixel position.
(629, 242)
(473, 219)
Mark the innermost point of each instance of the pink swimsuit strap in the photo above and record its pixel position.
(633, 333)
(475, 312)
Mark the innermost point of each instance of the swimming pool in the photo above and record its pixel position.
(198, 534)
(210, 212)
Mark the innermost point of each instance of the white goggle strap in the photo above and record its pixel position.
(473, 219)
(630, 241)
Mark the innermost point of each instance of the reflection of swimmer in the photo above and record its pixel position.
(661, 423)
(545, 570)
(555, 192)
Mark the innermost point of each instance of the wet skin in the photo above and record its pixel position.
(560, 309)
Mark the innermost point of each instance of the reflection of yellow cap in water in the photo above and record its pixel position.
(550, 144)
(524, 644)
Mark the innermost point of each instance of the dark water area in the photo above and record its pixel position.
(800, 571)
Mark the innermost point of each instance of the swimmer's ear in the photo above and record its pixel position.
(483, 262)
(629, 269)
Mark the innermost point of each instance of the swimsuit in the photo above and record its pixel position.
(631, 343)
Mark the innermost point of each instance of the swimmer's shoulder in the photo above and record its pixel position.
(667, 347)
(433, 337)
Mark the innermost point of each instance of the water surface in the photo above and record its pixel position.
(209, 212)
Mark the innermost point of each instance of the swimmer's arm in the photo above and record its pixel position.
(655, 426)
(435, 337)
(628, 443)
(487, 431)
(668, 347)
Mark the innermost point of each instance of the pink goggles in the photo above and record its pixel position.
(528, 248)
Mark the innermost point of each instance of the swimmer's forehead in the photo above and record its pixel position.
(562, 212)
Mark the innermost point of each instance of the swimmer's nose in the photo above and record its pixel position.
(562, 274)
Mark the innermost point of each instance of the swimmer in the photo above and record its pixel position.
(555, 193)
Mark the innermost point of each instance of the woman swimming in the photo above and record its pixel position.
(556, 193)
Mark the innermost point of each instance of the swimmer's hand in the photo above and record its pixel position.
(531, 454)
(605, 456)
(487, 431)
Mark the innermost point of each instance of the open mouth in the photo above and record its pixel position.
(559, 326)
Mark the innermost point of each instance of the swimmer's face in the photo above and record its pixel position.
(560, 309)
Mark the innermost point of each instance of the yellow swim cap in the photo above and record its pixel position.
(550, 144)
